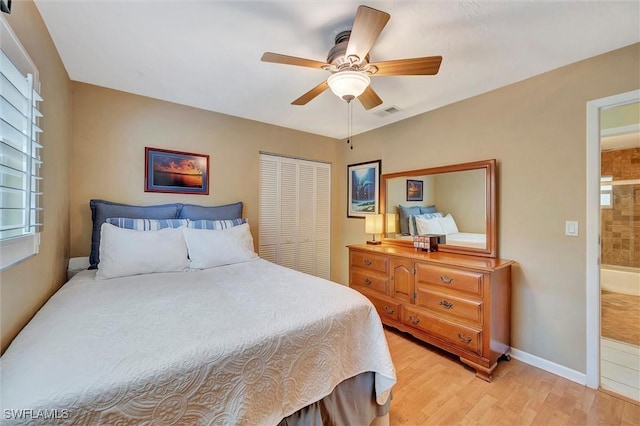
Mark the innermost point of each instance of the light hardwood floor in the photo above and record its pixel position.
(435, 388)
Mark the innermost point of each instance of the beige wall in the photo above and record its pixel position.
(26, 286)
(112, 128)
(536, 129)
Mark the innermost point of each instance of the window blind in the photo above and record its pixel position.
(20, 161)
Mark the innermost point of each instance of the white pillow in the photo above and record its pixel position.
(449, 225)
(412, 221)
(125, 252)
(428, 226)
(210, 248)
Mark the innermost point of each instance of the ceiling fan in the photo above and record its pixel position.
(348, 62)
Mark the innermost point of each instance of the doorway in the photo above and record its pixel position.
(613, 244)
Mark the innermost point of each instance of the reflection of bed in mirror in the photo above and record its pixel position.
(457, 201)
(462, 239)
(453, 205)
(467, 239)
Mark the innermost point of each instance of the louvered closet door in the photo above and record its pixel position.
(295, 212)
(288, 244)
(306, 217)
(268, 212)
(323, 221)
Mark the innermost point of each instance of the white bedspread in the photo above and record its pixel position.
(247, 344)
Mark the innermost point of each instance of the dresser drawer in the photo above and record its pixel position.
(451, 306)
(455, 279)
(371, 261)
(467, 338)
(386, 308)
(369, 280)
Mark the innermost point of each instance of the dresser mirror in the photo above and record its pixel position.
(458, 201)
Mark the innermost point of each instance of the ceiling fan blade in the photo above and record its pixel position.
(277, 58)
(416, 66)
(367, 26)
(369, 98)
(304, 99)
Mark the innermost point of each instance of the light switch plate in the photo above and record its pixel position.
(571, 228)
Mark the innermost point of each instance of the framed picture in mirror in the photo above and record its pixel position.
(414, 190)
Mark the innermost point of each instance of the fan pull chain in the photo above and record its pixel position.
(349, 124)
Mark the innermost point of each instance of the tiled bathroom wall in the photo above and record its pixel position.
(621, 222)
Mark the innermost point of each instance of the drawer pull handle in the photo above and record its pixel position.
(464, 339)
(445, 279)
(367, 281)
(389, 310)
(414, 320)
(367, 262)
(445, 304)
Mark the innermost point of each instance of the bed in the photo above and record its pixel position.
(464, 239)
(422, 220)
(247, 343)
(467, 239)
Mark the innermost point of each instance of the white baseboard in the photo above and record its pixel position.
(551, 367)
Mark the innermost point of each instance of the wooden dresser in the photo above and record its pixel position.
(457, 302)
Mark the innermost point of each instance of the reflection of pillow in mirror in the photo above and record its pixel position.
(413, 230)
(428, 209)
(405, 212)
(429, 226)
(448, 225)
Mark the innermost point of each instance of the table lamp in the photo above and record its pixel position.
(373, 225)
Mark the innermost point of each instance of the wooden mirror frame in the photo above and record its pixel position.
(491, 249)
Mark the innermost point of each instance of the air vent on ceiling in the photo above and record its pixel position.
(388, 111)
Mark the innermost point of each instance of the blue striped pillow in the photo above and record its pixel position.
(216, 224)
(146, 224)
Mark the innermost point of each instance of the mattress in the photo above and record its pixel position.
(467, 239)
(464, 239)
(249, 343)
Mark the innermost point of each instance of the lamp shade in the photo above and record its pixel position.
(348, 85)
(391, 219)
(373, 223)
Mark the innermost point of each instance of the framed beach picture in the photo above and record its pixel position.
(414, 190)
(176, 172)
(363, 193)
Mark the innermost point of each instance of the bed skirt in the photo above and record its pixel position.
(352, 402)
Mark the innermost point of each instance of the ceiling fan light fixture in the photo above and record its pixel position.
(348, 85)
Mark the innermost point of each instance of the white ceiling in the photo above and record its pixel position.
(206, 54)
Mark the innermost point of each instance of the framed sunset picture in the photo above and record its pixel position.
(176, 172)
(414, 190)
